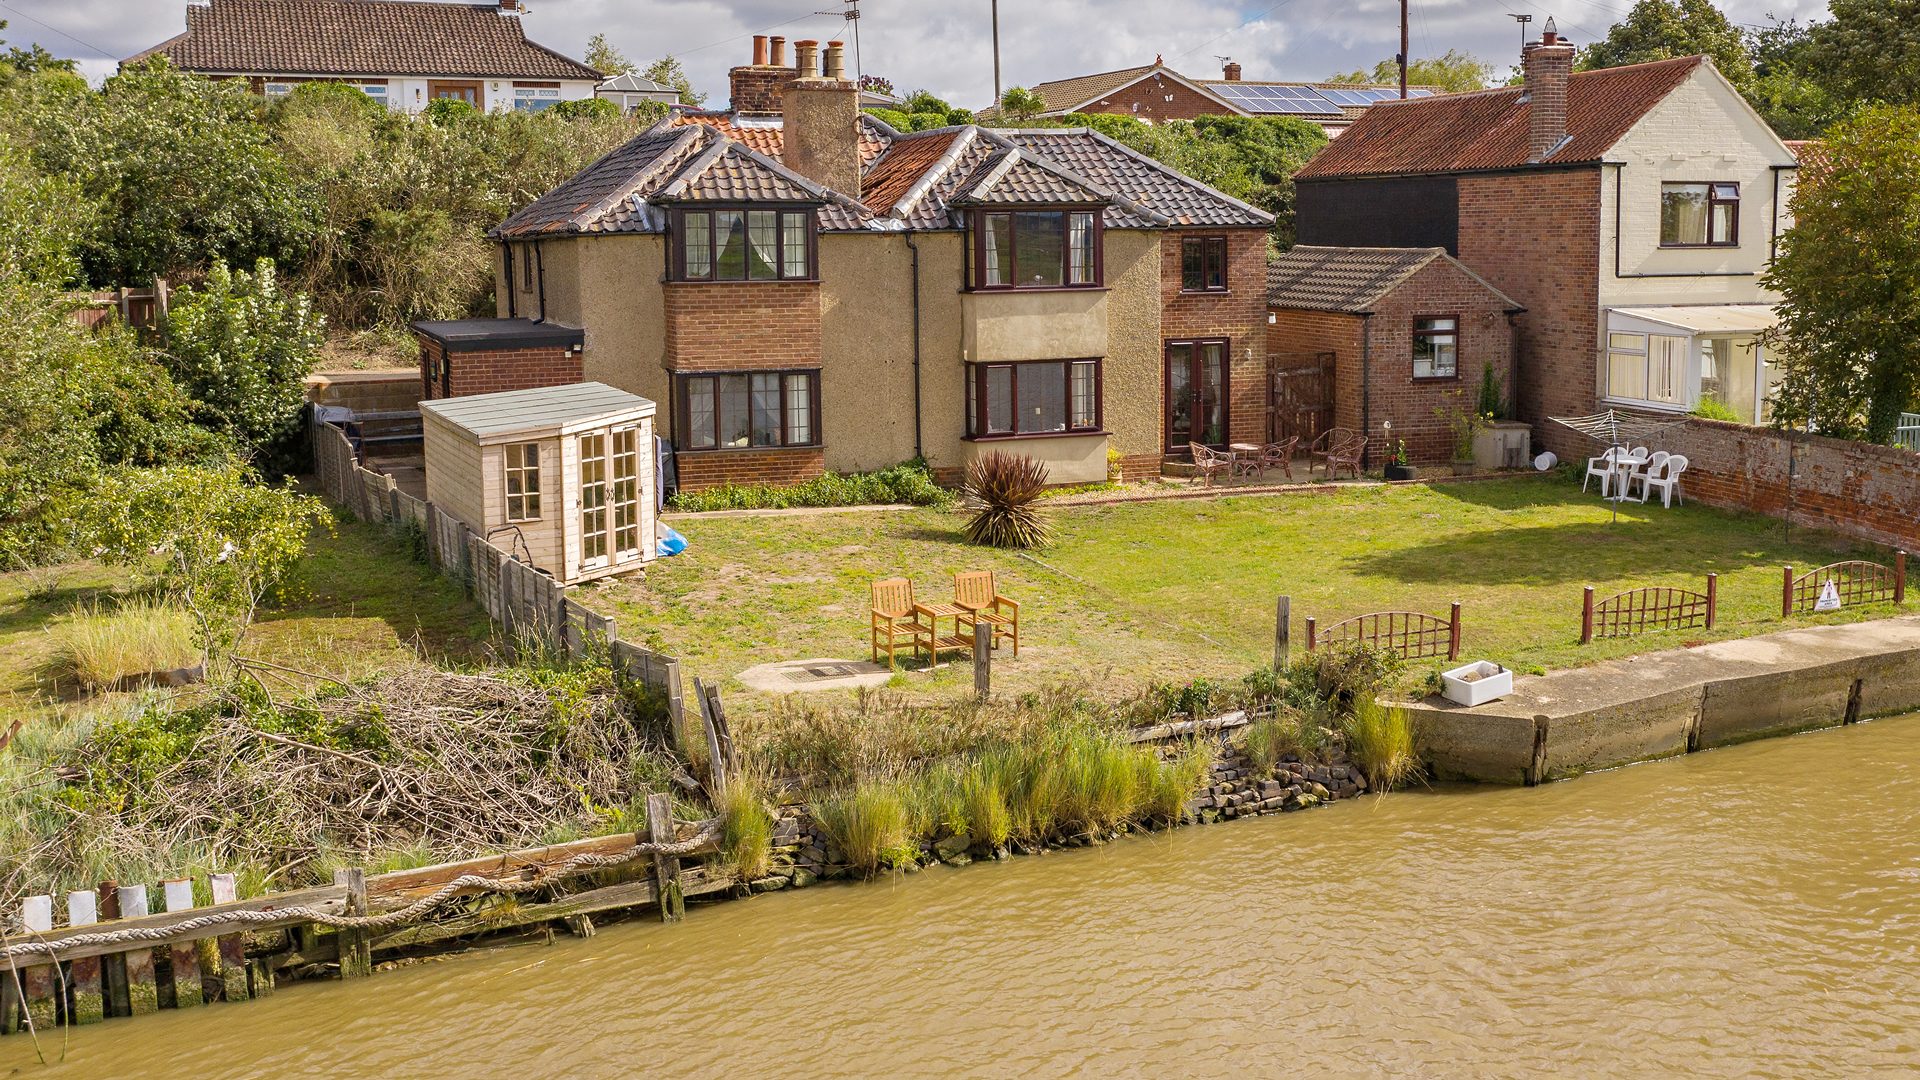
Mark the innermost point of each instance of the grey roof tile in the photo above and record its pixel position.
(1352, 280)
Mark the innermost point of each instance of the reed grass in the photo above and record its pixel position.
(1269, 740)
(97, 648)
(746, 827)
(1380, 740)
(869, 825)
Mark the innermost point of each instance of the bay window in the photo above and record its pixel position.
(743, 245)
(743, 410)
(1034, 397)
(1700, 215)
(1036, 249)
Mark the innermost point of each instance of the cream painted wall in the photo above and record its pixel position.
(1017, 325)
(1703, 131)
(1134, 369)
(1070, 459)
(866, 345)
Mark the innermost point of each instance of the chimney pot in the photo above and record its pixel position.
(778, 55)
(759, 50)
(1232, 73)
(836, 65)
(806, 59)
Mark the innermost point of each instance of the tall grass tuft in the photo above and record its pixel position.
(746, 827)
(1177, 779)
(989, 821)
(1380, 741)
(870, 825)
(1271, 739)
(1002, 490)
(97, 649)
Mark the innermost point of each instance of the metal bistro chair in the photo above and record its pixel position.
(1337, 448)
(895, 619)
(1209, 463)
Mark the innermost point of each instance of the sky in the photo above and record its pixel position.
(946, 45)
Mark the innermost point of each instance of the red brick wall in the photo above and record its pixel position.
(1147, 99)
(1486, 337)
(1536, 237)
(485, 371)
(742, 326)
(711, 468)
(1239, 315)
(1295, 338)
(1868, 492)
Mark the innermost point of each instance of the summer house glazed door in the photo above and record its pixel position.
(594, 539)
(1196, 394)
(626, 494)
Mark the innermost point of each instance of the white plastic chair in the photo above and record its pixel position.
(1667, 480)
(1641, 471)
(1602, 467)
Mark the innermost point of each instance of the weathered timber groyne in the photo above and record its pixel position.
(1677, 701)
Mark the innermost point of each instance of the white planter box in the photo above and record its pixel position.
(1490, 682)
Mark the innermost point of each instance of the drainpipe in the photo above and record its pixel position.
(918, 451)
(513, 309)
(1366, 387)
(540, 272)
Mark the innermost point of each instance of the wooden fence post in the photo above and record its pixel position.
(37, 1001)
(666, 868)
(1786, 593)
(89, 1006)
(1899, 577)
(1586, 617)
(1282, 632)
(113, 966)
(1453, 632)
(356, 948)
(676, 707)
(233, 951)
(187, 988)
(1312, 638)
(982, 662)
(1713, 598)
(143, 994)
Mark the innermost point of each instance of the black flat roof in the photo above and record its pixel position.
(474, 335)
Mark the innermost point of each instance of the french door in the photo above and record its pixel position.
(626, 494)
(594, 518)
(609, 497)
(1197, 393)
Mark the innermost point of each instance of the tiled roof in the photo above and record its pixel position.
(1352, 280)
(895, 174)
(764, 136)
(1063, 94)
(362, 37)
(1151, 194)
(1011, 177)
(1488, 129)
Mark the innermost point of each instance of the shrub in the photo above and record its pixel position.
(909, 482)
(746, 827)
(869, 824)
(1493, 406)
(1715, 409)
(1337, 673)
(96, 649)
(1380, 741)
(1002, 488)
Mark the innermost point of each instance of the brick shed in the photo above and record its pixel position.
(1405, 333)
(489, 356)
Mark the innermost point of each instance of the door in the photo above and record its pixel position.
(1196, 394)
(1299, 397)
(626, 494)
(594, 518)
(468, 92)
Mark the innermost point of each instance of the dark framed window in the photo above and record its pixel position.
(1034, 397)
(1203, 264)
(1036, 249)
(1700, 215)
(747, 409)
(526, 267)
(1436, 347)
(744, 244)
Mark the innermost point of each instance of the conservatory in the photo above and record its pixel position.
(1673, 358)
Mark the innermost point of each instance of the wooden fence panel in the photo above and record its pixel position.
(1648, 610)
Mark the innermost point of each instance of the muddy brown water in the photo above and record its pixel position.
(1753, 911)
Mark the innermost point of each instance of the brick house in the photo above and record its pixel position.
(405, 54)
(1409, 332)
(805, 289)
(1156, 93)
(1630, 210)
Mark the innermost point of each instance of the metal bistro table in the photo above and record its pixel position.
(963, 627)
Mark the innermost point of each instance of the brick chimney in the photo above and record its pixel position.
(510, 7)
(1547, 64)
(820, 117)
(1232, 72)
(755, 87)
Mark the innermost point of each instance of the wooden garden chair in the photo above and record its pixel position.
(895, 619)
(1209, 463)
(976, 591)
(1337, 448)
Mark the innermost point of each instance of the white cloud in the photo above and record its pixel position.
(945, 45)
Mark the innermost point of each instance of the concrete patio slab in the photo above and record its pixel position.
(791, 676)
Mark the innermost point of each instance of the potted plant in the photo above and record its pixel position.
(1466, 426)
(1397, 467)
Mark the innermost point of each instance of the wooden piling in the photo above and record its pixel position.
(1282, 632)
(232, 947)
(36, 983)
(188, 989)
(356, 948)
(143, 993)
(666, 868)
(710, 719)
(982, 663)
(1586, 617)
(10, 1009)
(113, 967)
(86, 1005)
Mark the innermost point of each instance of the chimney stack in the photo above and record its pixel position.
(1547, 65)
(510, 7)
(820, 120)
(1232, 72)
(836, 64)
(806, 59)
(755, 88)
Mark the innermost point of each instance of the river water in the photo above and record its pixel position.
(1753, 911)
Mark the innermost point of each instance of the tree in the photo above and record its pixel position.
(1782, 91)
(603, 57)
(1020, 103)
(1848, 271)
(922, 111)
(667, 72)
(1869, 50)
(30, 61)
(1455, 72)
(1664, 29)
(242, 346)
(42, 219)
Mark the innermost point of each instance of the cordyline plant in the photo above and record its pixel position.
(1002, 490)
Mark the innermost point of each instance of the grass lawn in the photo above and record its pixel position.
(357, 605)
(1131, 594)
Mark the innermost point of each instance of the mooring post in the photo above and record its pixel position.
(1786, 593)
(982, 662)
(1713, 598)
(143, 994)
(666, 868)
(1537, 767)
(708, 700)
(356, 947)
(1282, 632)
(233, 951)
(1310, 633)
(40, 1011)
(1586, 617)
(187, 988)
(89, 1006)
(1899, 577)
(113, 966)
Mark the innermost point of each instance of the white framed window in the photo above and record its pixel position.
(523, 481)
(1436, 347)
(277, 89)
(1647, 367)
(535, 98)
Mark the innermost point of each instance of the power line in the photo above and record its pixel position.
(1256, 17)
(57, 30)
(750, 33)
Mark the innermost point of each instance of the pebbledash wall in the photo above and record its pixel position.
(1861, 490)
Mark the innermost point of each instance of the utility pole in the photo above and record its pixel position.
(996, 54)
(1403, 50)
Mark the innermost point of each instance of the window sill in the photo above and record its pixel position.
(1454, 378)
(747, 449)
(1022, 290)
(1650, 406)
(1206, 292)
(1015, 436)
(1701, 247)
(744, 281)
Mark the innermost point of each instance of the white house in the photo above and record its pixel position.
(406, 53)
